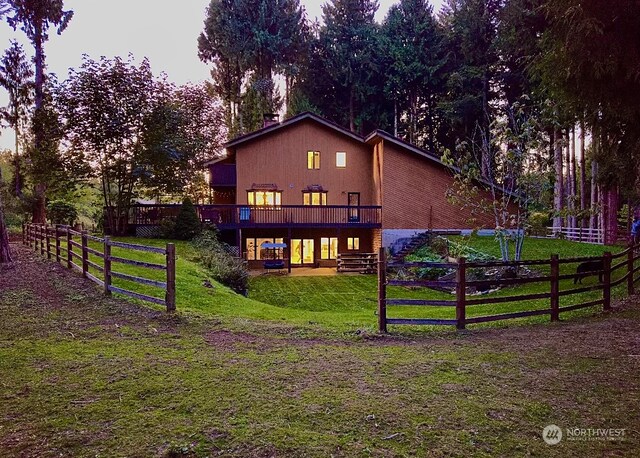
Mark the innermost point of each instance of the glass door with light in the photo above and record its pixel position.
(302, 251)
(354, 204)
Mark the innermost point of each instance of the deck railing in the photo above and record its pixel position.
(242, 216)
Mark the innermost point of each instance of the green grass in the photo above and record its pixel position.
(345, 303)
(83, 375)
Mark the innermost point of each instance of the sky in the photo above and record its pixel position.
(145, 28)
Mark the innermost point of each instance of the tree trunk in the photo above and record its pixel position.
(574, 218)
(558, 195)
(593, 222)
(5, 251)
(39, 205)
(352, 124)
(583, 177)
(610, 214)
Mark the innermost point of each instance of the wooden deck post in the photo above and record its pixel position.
(69, 248)
(170, 294)
(382, 290)
(85, 254)
(555, 288)
(107, 265)
(630, 262)
(461, 291)
(606, 290)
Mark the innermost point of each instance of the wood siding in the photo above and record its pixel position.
(280, 158)
(414, 194)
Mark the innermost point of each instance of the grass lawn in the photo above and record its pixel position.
(352, 299)
(85, 376)
(343, 303)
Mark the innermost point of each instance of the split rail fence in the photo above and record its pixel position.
(610, 264)
(71, 248)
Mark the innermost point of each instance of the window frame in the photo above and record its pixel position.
(322, 197)
(353, 243)
(313, 160)
(331, 256)
(342, 154)
(252, 200)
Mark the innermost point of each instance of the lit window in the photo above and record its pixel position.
(314, 198)
(341, 159)
(313, 160)
(329, 248)
(353, 243)
(264, 198)
(255, 252)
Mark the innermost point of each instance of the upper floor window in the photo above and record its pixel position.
(341, 159)
(314, 197)
(264, 198)
(313, 160)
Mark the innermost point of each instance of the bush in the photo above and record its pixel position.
(187, 223)
(538, 223)
(224, 267)
(62, 212)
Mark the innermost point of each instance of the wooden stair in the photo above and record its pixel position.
(416, 242)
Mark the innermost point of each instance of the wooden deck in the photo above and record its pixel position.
(244, 216)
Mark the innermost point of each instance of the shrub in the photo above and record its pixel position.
(538, 222)
(62, 212)
(224, 267)
(187, 223)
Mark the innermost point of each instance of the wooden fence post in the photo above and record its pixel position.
(57, 244)
(69, 248)
(85, 255)
(461, 291)
(107, 265)
(555, 288)
(42, 239)
(630, 262)
(382, 290)
(35, 237)
(170, 294)
(47, 234)
(606, 290)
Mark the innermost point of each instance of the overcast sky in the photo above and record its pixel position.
(157, 29)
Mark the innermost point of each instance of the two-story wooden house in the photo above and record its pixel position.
(323, 191)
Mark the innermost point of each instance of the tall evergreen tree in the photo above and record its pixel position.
(349, 39)
(35, 17)
(15, 78)
(248, 42)
(414, 58)
(471, 84)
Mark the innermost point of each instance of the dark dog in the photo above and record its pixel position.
(586, 268)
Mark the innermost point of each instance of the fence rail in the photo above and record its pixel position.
(627, 258)
(578, 234)
(54, 241)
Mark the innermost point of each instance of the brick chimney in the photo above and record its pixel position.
(270, 119)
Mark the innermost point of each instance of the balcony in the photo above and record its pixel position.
(244, 216)
(222, 175)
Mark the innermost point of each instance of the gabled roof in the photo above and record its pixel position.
(374, 136)
(288, 122)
